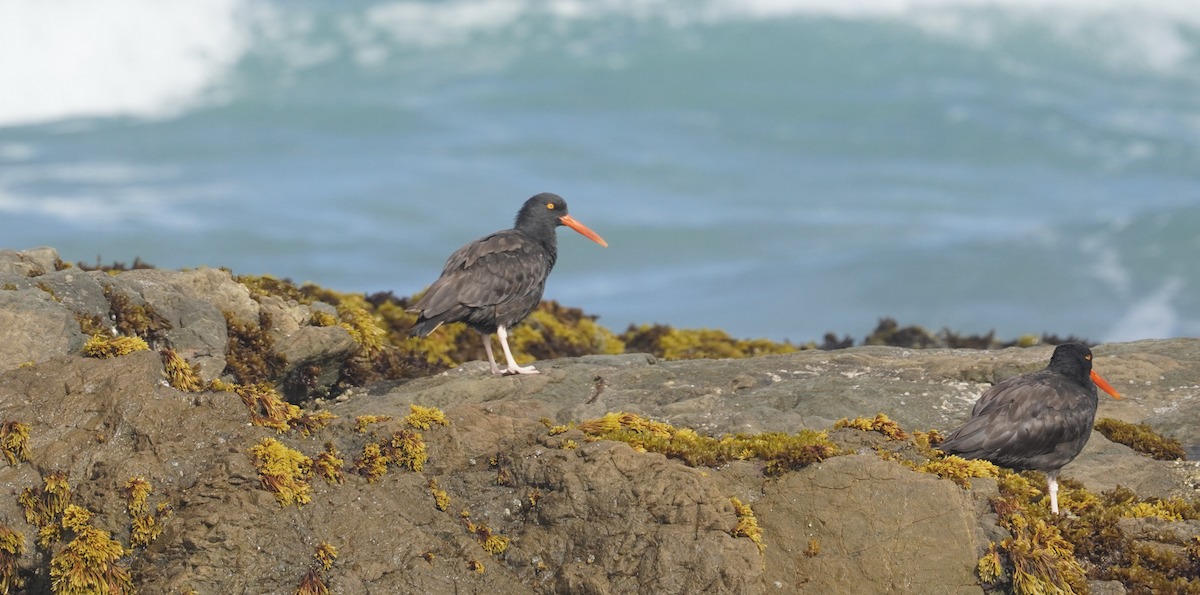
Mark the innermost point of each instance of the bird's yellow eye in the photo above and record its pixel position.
(549, 205)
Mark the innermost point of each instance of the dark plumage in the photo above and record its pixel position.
(1040, 420)
(496, 281)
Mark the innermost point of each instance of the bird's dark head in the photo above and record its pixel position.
(1075, 361)
(544, 212)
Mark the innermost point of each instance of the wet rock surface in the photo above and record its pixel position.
(579, 516)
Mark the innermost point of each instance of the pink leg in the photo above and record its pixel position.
(513, 368)
(1052, 478)
(487, 346)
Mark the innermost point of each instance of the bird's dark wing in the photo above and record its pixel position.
(493, 270)
(1034, 421)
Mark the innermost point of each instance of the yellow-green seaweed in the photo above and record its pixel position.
(12, 547)
(283, 471)
(880, 423)
(780, 451)
(180, 374)
(103, 347)
(1141, 438)
(14, 442)
(88, 563)
(423, 417)
(747, 524)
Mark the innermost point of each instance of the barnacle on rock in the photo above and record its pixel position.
(14, 442)
(283, 471)
(108, 347)
(1142, 439)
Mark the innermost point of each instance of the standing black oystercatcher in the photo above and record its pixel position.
(496, 281)
(1040, 420)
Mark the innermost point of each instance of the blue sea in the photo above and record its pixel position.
(773, 168)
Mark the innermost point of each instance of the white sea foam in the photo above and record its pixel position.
(67, 58)
(102, 193)
(1152, 317)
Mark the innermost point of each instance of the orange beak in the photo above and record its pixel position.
(1106, 387)
(581, 228)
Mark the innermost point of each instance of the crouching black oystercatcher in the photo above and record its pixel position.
(1040, 420)
(496, 281)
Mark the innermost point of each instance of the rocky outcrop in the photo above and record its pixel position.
(579, 516)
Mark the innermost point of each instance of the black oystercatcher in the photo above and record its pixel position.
(1040, 420)
(496, 281)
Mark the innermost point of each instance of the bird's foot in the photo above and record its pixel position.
(496, 371)
(514, 370)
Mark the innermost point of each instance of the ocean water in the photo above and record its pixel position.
(775, 168)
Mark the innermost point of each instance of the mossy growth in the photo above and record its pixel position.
(135, 320)
(267, 409)
(779, 451)
(491, 543)
(814, 548)
(12, 547)
(406, 449)
(957, 469)
(43, 505)
(9, 287)
(180, 374)
(747, 524)
(283, 471)
(1141, 438)
(475, 566)
(328, 465)
(880, 423)
(14, 442)
(363, 421)
(92, 325)
(320, 318)
(1040, 559)
(1091, 528)
(103, 347)
(372, 464)
(145, 527)
(554, 331)
(440, 499)
(423, 417)
(49, 290)
(88, 563)
(252, 358)
(323, 558)
(670, 343)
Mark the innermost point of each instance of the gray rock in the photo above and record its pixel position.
(35, 328)
(29, 263)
